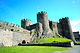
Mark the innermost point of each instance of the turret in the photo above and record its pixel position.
(25, 22)
(66, 28)
(42, 17)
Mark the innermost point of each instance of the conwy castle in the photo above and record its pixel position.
(11, 35)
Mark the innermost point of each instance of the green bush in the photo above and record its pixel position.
(78, 42)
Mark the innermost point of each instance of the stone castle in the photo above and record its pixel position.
(44, 28)
(49, 28)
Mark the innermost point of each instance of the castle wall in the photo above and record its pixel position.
(18, 37)
(39, 30)
(60, 29)
(76, 35)
(8, 38)
(53, 26)
(30, 27)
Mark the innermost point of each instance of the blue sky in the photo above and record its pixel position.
(14, 10)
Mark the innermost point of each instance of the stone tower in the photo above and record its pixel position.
(42, 17)
(25, 22)
(66, 28)
(39, 29)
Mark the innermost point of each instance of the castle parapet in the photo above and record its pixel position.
(8, 23)
(11, 25)
(17, 25)
(42, 13)
(5, 22)
(1, 21)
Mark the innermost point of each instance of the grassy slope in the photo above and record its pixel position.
(53, 39)
(31, 49)
(78, 42)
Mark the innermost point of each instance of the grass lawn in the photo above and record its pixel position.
(53, 39)
(31, 49)
(78, 42)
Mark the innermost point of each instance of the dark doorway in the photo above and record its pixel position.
(23, 42)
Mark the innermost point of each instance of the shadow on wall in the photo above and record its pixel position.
(1, 44)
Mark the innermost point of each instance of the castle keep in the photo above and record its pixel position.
(12, 34)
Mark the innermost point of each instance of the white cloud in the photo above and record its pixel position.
(75, 22)
(75, 25)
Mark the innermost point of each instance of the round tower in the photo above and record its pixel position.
(66, 28)
(69, 28)
(42, 17)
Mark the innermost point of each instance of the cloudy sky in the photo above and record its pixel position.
(14, 10)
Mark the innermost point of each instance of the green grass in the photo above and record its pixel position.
(53, 39)
(78, 42)
(31, 49)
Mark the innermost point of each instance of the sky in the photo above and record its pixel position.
(14, 10)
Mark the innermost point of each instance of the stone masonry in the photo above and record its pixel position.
(9, 38)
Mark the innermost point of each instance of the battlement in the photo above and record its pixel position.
(5, 22)
(25, 22)
(1, 21)
(64, 19)
(8, 24)
(42, 13)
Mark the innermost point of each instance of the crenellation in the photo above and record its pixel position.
(14, 25)
(45, 12)
(42, 12)
(11, 25)
(8, 23)
(1, 21)
(17, 25)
